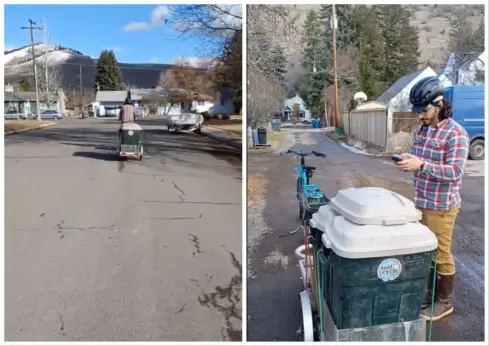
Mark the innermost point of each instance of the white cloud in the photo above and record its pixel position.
(136, 26)
(159, 15)
(8, 47)
(153, 60)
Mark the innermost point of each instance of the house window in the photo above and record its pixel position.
(222, 101)
(302, 114)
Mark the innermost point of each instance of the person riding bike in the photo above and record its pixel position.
(437, 158)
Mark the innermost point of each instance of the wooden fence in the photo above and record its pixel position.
(367, 125)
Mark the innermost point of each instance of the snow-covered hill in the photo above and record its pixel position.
(70, 63)
(19, 60)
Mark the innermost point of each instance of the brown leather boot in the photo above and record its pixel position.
(426, 302)
(443, 304)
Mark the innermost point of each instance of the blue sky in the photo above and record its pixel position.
(137, 33)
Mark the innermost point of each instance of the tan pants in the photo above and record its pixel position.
(441, 223)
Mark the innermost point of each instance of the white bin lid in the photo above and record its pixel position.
(351, 240)
(374, 206)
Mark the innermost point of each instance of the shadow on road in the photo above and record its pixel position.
(180, 147)
(97, 155)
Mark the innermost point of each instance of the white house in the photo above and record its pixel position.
(304, 113)
(396, 97)
(468, 72)
(222, 103)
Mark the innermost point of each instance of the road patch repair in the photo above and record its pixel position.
(16, 126)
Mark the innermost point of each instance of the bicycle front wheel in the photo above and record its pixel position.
(299, 198)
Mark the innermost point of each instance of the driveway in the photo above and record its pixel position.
(274, 284)
(102, 250)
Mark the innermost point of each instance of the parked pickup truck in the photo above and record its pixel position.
(468, 110)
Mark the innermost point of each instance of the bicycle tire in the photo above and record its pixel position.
(299, 188)
(299, 197)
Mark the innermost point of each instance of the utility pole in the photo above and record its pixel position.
(81, 88)
(335, 72)
(45, 36)
(31, 29)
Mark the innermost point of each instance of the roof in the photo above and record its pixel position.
(139, 94)
(116, 95)
(28, 96)
(398, 86)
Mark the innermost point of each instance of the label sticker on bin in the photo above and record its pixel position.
(389, 269)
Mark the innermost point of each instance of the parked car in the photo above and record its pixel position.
(112, 111)
(468, 110)
(12, 115)
(50, 114)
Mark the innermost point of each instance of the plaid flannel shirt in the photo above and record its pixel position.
(127, 114)
(444, 151)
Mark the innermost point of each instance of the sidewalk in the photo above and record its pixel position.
(222, 136)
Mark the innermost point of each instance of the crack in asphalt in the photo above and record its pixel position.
(191, 202)
(195, 240)
(232, 294)
(178, 218)
(60, 228)
(178, 188)
(182, 193)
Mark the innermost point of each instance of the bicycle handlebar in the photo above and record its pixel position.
(303, 154)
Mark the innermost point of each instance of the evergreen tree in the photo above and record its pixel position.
(278, 63)
(108, 75)
(273, 62)
(400, 41)
(24, 85)
(316, 60)
(229, 70)
(370, 61)
(347, 34)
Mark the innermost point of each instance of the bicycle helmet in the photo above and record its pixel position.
(425, 92)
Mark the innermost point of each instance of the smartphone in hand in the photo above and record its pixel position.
(396, 158)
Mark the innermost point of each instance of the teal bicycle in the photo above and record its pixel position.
(309, 195)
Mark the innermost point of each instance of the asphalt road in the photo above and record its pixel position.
(102, 250)
(274, 284)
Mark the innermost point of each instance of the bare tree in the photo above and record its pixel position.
(213, 23)
(466, 45)
(263, 98)
(49, 78)
(267, 26)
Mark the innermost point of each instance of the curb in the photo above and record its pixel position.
(231, 143)
(29, 129)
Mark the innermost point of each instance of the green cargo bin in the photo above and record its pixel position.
(375, 257)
